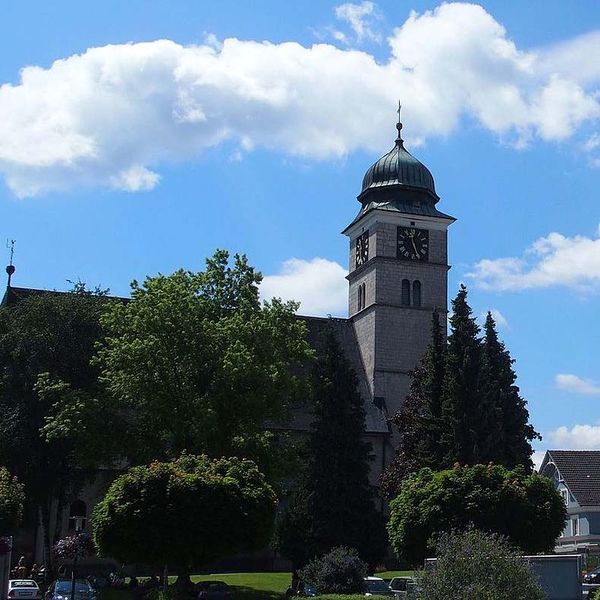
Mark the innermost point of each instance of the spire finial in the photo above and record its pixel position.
(10, 269)
(399, 125)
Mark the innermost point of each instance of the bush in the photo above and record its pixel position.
(340, 571)
(474, 565)
(596, 595)
(525, 508)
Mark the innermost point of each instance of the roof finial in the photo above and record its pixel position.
(399, 139)
(10, 269)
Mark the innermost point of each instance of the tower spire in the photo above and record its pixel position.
(399, 139)
(10, 269)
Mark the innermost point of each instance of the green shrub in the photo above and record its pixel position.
(596, 595)
(474, 565)
(340, 571)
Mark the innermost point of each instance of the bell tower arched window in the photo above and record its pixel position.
(405, 292)
(362, 296)
(416, 290)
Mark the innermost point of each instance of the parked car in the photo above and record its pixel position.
(19, 589)
(375, 586)
(403, 587)
(213, 590)
(61, 590)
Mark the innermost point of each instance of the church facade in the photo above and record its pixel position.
(398, 275)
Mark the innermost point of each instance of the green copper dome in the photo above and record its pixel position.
(398, 168)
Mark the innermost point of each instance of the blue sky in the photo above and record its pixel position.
(136, 137)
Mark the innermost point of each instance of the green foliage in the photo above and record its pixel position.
(47, 384)
(191, 511)
(12, 498)
(506, 409)
(474, 566)
(201, 364)
(463, 436)
(525, 508)
(596, 595)
(333, 504)
(463, 405)
(340, 571)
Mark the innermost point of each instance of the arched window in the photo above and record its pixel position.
(77, 515)
(416, 293)
(362, 296)
(405, 292)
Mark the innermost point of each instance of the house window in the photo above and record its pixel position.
(77, 515)
(565, 496)
(405, 301)
(416, 293)
(575, 527)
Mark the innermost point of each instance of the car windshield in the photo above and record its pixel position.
(24, 583)
(217, 587)
(377, 585)
(64, 587)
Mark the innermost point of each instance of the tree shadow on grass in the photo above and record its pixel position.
(241, 592)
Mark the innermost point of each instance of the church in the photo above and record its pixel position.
(398, 275)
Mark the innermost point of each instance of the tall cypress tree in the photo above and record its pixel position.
(419, 420)
(460, 397)
(513, 433)
(334, 504)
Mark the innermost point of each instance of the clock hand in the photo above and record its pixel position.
(414, 246)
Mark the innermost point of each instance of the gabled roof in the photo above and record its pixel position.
(580, 470)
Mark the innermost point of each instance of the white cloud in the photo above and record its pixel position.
(498, 317)
(554, 260)
(573, 383)
(319, 285)
(578, 437)
(360, 17)
(112, 115)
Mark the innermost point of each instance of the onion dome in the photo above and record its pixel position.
(398, 169)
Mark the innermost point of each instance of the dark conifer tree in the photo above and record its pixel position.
(419, 420)
(460, 398)
(334, 504)
(500, 397)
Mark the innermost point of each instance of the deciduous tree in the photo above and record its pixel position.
(525, 508)
(200, 364)
(184, 513)
(47, 381)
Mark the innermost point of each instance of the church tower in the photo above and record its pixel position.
(398, 271)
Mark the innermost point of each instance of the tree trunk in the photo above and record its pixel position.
(44, 521)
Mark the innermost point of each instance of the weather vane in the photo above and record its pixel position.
(10, 269)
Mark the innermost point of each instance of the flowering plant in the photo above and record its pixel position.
(78, 545)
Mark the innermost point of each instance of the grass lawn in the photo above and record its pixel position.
(248, 586)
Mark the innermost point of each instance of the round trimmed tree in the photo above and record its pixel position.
(524, 508)
(184, 513)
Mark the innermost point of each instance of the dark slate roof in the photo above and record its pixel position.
(580, 470)
(399, 168)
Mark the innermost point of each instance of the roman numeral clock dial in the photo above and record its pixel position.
(413, 244)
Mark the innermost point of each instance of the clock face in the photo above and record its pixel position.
(413, 244)
(362, 248)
